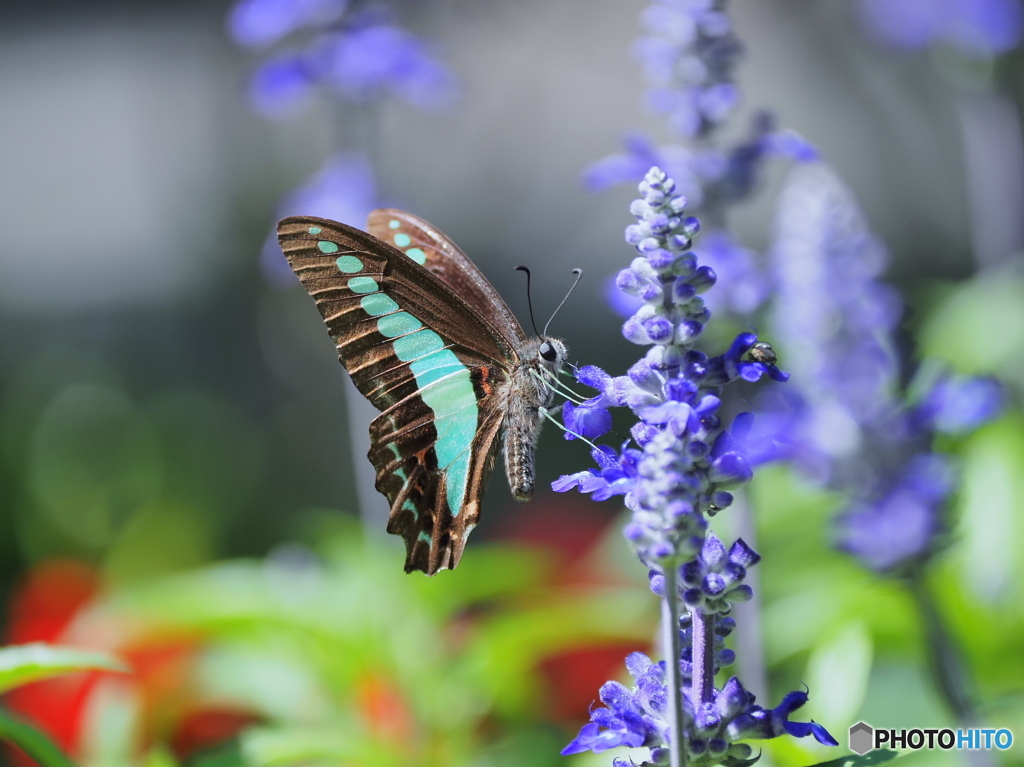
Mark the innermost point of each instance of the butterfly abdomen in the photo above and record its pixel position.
(522, 427)
(529, 394)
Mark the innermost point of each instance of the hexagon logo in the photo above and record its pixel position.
(861, 737)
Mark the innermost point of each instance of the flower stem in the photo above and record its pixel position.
(947, 665)
(703, 657)
(672, 649)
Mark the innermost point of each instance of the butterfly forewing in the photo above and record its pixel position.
(421, 354)
(424, 243)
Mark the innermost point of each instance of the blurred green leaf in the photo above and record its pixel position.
(21, 664)
(840, 664)
(159, 757)
(977, 326)
(266, 747)
(32, 741)
(95, 459)
(229, 755)
(871, 758)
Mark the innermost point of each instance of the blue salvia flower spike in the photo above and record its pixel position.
(676, 472)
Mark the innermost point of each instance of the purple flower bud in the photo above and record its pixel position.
(688, 330)
(658, 329)
(731, 470)
(693, 598)
(634, 234)
(683, 291)
(658, 223)
(662, 550)
(741, 554)
(634, 332)
(704, 277)
(661, 258)
(714, 584)
(678, 204)
(685, 263)
(647, 245)
(680, 242)
(634, 532)
(651, 293)
(720, 499)
(640, 209)
(628, 282)
(741, 594)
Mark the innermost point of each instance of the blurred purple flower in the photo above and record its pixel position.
(640, 155)
(344, 190)
(960, 404)
(745, 285)
(901, 527)
(264, 22)
(358, 54)
(979, 28)
(846, 422)
(280, 84)
(366, 63)
(688, 56)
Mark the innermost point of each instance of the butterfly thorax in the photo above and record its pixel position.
(531, 392)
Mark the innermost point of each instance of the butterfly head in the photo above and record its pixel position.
(551, 354)
(546, 356)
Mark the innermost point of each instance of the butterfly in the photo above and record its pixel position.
(428, 340)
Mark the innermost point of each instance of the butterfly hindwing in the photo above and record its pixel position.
(407, 474)
(420, 354)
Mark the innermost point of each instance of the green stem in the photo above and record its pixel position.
(947, 666)
(32, 741)
(673, 676)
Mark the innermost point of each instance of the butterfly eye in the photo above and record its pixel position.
(547, 352)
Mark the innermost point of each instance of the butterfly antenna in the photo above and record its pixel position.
(579, 276)
(529, 300)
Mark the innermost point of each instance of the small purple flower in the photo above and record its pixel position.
(588, 420)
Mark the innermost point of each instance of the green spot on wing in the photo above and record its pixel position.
(314, 230)
(417, 345)
(377, 304)
(394, 223)
(398, 324)
(417, 255)
(402, 239)
(349, 264)
(446, 388)
(326, 246)
(399, 471)
(363, 285)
